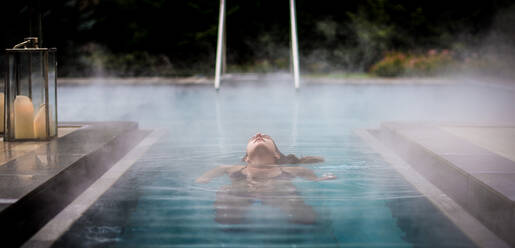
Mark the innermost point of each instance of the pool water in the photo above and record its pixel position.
(158, 204)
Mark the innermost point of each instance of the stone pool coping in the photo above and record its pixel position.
(479, 180)
(250, 77)
(41, 182)
(61, 223)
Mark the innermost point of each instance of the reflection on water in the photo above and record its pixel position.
(234, 200)
(157, 203)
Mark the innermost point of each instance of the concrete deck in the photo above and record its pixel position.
(16, 182)
(498, 139)
(473, 164)
(39, 179)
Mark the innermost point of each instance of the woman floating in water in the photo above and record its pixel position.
(263, 180)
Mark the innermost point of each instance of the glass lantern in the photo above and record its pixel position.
(30, 101)
(3, 65)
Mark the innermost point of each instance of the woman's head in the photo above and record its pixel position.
(261, 149)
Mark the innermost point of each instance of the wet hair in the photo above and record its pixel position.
(292, 159)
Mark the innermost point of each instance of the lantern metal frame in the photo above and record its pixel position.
(13, 87)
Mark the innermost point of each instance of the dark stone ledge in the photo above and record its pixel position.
(36, 186)
(477, 179)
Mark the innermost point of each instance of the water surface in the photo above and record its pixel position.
(157, 204)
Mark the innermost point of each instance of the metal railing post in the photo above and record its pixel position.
(219, 46)
(294, 46)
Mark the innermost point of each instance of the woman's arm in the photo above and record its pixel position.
(311, 160)
(307, 174)
(216, 172)
(292, 159)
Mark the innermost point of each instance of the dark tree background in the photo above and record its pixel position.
(159, 37)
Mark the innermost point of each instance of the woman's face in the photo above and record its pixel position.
(261, 146)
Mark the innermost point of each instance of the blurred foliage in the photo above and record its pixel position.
(170, 38)
(393, 64)
(401, 64)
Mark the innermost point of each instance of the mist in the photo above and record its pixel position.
(362, 64)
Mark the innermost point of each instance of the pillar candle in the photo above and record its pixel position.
(40, 123)
(23, 118)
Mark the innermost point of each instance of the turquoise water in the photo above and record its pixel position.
(157, 204)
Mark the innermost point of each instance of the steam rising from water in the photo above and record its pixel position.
(160, 203)
(157, 202)
(153, 106)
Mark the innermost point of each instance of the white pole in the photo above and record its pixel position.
(224, 49)
(294, 48)
(219, 46)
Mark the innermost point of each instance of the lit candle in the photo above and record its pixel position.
(2, 112)
(23, 118)
(40, 123)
